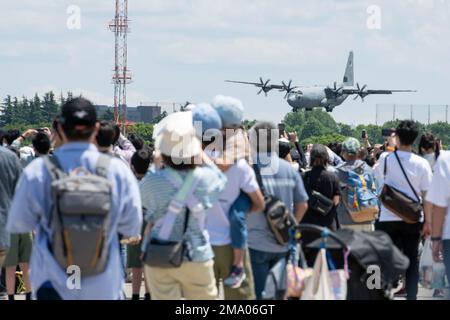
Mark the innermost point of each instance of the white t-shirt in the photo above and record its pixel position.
(240, 176)
(419, 173)
(439, 193)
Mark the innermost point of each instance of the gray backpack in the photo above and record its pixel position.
(80, 216)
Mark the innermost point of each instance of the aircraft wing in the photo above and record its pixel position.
(266, 87)
(260, 84)
(368, 92)
(361, 92)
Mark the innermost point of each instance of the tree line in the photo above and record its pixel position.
(316, 126)
(38, 110)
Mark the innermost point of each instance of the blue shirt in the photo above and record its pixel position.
(157, 192)
(31, 208)
(281, 180)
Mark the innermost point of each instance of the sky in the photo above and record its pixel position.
(183, 50)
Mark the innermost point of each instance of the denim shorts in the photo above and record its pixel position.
(238, 218)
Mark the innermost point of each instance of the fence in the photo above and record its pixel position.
(418, 112)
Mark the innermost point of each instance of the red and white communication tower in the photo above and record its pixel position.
(122, 76)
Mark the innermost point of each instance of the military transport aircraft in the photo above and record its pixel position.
(304, 97)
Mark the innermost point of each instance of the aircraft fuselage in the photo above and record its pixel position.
(314, 97)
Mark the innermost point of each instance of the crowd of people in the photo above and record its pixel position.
(188, 214)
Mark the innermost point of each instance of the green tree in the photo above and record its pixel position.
(312, 128)
(311, 123)
(374, 133)
(345, 130)
(35, 111)
(7, 115)
(22, 111)
(294, 122)
(390, 124)
(325, 139)
(440, 130)
(15, 111)
(62, 99)
(49, 107)
(108, 115)
(325, 119)
(248, 124)
(143, 130)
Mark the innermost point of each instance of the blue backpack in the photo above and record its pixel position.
(359, 194)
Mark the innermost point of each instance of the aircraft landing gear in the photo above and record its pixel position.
(329, 109)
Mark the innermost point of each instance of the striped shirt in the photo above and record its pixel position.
(157, 192)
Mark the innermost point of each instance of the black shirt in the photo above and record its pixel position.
(326, 183)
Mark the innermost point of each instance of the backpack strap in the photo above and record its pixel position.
(186, 190)
(259, 179)
(54, 167)
(406, 176)
(103, 162)
(363, 182)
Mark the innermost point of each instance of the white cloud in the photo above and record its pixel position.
(245, 38)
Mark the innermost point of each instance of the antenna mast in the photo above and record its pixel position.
(122, 76)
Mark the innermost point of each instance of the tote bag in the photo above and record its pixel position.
(326, 284)
(319, 285)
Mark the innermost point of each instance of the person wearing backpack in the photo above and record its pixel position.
(178, 257)
(78, 201)
(358, 209)
(405, 213)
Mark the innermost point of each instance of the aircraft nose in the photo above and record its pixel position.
(294, 96)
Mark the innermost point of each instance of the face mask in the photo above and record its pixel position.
(431, 158)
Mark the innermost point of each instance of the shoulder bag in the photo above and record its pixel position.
(396, 201)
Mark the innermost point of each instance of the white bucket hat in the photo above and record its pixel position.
(175, 136)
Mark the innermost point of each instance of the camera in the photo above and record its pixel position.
(364, 134)
(281, 129)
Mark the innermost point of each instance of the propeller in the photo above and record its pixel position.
(288, 88)
(361, 94)
(335, 90)
(264, 86)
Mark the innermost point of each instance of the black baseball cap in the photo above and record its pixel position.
(78, 112)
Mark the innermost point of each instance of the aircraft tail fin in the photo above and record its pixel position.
(349, 73)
